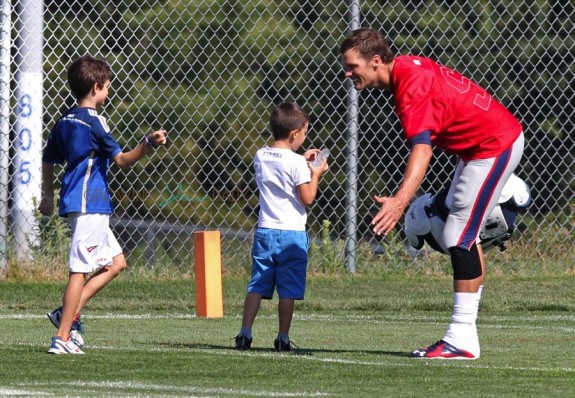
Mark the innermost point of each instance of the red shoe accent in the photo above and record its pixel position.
(442, 350)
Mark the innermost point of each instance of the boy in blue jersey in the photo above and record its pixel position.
(287, 183)
(82, 140)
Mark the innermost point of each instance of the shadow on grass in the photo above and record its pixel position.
(295, 350)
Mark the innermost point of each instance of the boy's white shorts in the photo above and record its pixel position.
(93, 242)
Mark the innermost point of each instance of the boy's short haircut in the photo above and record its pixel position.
(85, 72)
(368, 43)
(285, 118)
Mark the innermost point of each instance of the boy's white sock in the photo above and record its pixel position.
(462, 331)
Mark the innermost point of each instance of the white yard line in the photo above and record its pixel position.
(485, 321)
(11, 392)
(163, 389)
(316, 317)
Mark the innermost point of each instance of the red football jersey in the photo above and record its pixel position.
(464, 119)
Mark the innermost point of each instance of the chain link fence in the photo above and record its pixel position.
(211, 71)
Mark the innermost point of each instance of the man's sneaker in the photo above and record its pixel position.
(76, 330)
(61, 347)
(442, 350)
(281, 345)
(243, 343)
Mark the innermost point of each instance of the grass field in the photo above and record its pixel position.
(353, 333)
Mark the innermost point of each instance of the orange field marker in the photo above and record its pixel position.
(208, 271)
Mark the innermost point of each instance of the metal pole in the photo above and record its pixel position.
(5, 29)
(27, 178)
(352, 156)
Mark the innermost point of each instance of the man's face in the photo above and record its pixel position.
(361, 71)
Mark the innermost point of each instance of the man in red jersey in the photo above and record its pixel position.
(438, 106)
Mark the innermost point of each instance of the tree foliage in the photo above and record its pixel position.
(210, 71)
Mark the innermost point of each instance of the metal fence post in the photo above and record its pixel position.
(352, 156)
(5, 28)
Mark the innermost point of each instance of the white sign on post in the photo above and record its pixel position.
(27, 178)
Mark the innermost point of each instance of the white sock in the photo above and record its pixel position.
(478, 296)
(462, 331)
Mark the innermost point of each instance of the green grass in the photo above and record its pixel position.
(143, 339)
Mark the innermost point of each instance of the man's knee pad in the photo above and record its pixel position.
(466, 263)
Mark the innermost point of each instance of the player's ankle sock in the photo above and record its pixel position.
(462, 331)
(478, 296)
(247, 332)
(284, 337)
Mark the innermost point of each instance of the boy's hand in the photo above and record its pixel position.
(322, 168)
(158, 137)
(46, 206)
(310, 155)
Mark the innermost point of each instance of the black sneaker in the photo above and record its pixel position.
(280, 345)
(243, 343)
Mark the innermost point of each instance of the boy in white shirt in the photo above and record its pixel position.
(287, 183)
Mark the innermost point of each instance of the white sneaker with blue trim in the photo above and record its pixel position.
(77, 326)
(61, 347)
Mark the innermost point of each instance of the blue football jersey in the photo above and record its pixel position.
(82, 140)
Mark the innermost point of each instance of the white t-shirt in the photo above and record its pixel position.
(278, 174)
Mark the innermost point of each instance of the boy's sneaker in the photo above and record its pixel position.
(55, 317)
(442, 350)
(281, 345)
(243, 343)
(61, 347)
(76, 336)
(77, 325)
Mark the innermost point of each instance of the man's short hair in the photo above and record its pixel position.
(285, 118)
(85, 72)
(368, 42)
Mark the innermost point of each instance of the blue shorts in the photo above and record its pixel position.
(279, 261)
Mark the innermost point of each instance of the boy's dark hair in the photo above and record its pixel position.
(368, 42)
(85, 72)
(285, 118)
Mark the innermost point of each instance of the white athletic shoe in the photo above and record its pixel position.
(61, 347)
(76, 336)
